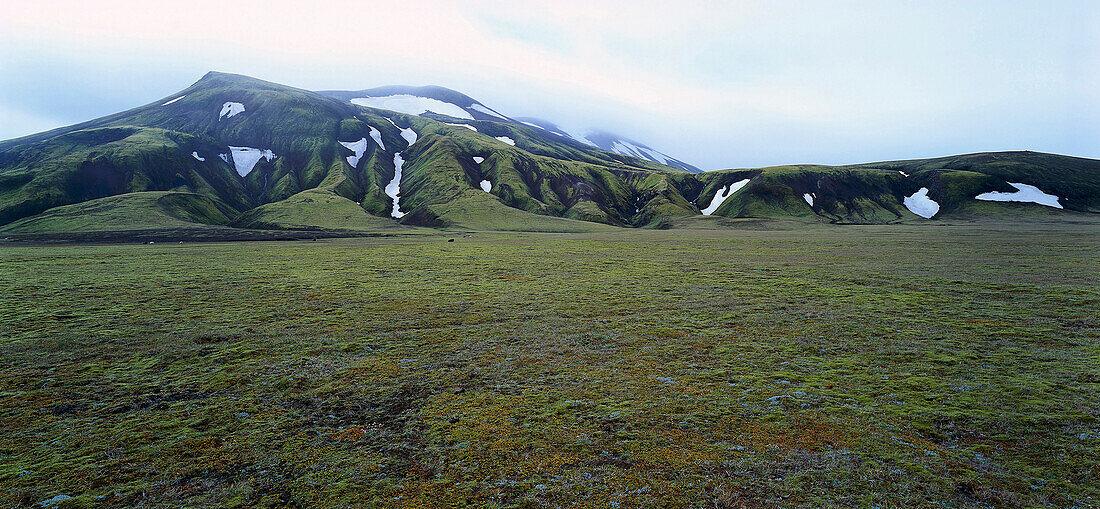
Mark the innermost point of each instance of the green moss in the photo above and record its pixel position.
(315, 209)
(809, 365)
(132, 211)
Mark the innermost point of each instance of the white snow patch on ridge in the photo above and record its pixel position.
(225, 157)
(627, 149)
(920, 204)
(359, 147)
(1024, 193)
(507, 140)
(408, 134)
(393, 189)
(413, 105)
(174, 100)
(245, 158)
(722, 195)
(377, 135)
(654, 155)
(535, 126)
(487, 111)
(467, 126)
(479, 160)
(229, 109)
(197, 157)
(486, 186)
(577, 135)
(809, 198)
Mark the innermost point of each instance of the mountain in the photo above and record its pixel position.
(420, 100)
(232, 152)
(610, 142)
(620, 145)
(273, 156)
(443, 102)
(962, 187)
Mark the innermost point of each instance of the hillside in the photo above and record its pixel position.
(268, 156)
(964, 186)
(246, 144)
(446, 103)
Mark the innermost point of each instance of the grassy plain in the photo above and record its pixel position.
(774, 365)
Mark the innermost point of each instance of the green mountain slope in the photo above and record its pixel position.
(876, 192)
(1075, 180)
(270, 156)
(302, 141)
(102, 161)
(131, 211)
(314, 209)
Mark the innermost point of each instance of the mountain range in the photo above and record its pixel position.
(237, 153)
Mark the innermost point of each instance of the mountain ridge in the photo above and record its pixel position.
(468, 108)
(272, 156)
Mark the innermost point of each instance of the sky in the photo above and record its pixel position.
(719, 84)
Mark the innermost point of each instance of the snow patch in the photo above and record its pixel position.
(536, 126)
(507, 140)
(359, 147)
(656, 156)
(467, 126)
(809, 198)
(903, 174)
(225, 157)
(229, 109)
(197, 156)
(174, 100)
(486, 186)
(413, 105)
(627, 149)
(409, 135)
(920, 204)
(487, 111)
(1024, 193)
(577, 135)
(245, 158)
(721, 196)
(377, 135)
(479, 160)
(393, 189)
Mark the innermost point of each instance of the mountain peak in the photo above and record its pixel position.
(419, 100)
(222, 79)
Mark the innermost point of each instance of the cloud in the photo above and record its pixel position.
(718, 84)
(18, 122)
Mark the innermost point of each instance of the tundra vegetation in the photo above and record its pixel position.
(763, 364)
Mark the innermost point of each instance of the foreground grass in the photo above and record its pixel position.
(851, 366)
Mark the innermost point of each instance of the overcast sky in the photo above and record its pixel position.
(718, 84)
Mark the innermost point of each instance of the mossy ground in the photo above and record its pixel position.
(131, 211)
(946, 365)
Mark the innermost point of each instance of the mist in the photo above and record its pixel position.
(716, 84)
